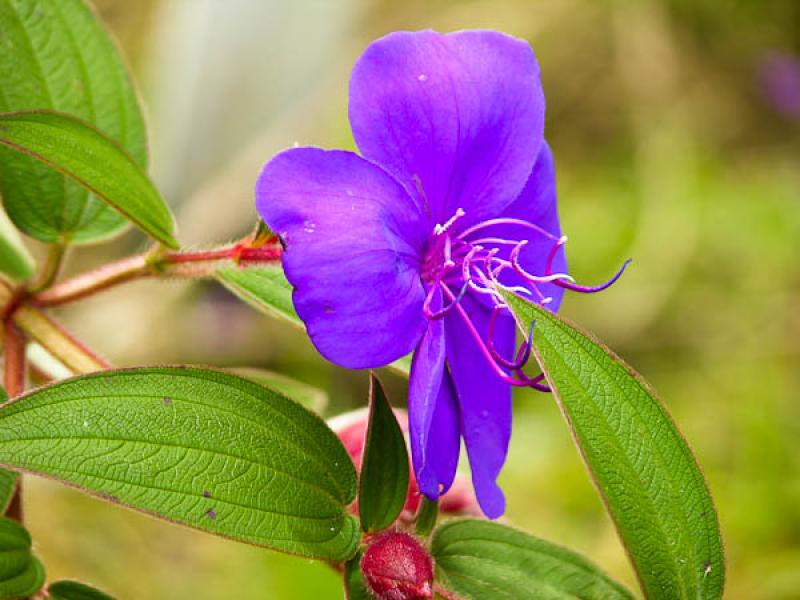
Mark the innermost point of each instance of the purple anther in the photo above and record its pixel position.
(568, 285)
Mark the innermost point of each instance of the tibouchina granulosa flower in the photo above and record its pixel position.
(402, 248)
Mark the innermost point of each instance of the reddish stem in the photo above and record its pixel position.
(14, 373)
(14, 384)
(94, 281)
(148, 265)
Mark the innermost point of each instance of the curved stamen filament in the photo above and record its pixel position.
(522, 355)
(522, 380)
(528, 291)
(536, 383)
(434, 315)
(567, 285)
(506, 221)
(467, 266)
(549, 278)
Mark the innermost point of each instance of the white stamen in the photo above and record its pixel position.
(440, 229)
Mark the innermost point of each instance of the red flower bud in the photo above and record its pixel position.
(396, 566)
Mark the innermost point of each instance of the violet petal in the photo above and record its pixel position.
(433, 423)
(484, 400)
(353, 243)
(458, 117)
(536, 204)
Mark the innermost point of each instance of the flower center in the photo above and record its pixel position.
(474, 261)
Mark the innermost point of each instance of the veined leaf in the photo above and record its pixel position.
(21, 573)
(265, 288)
(383, 485)
(481, 560)
(74, 590)
(57, 56)
(641, 464)
(15, 260)
(198, 447)
(78, 150)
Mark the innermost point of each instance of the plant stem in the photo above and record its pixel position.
(150, 264)
(51, 267)
(58, 341)
(14, 384)
(14, 373)
(94, 281)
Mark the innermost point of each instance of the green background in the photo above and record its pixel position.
(667, 151)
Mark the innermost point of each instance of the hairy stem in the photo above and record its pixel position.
(89, 283)
(152, 264)
(14, 368)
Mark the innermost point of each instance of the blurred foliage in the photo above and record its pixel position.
(667, 151)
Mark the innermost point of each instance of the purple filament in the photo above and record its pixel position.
(426, 307)
(521, 380)
(456, 263)
(567, 285)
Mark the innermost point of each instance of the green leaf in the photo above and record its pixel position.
(21, 573)
(55, 55)
(642, 466)
(8, 485)
(383, 486)
(15, 260)
(78, 150)
(312, 398)
(206, 449)
(74, 590)
(481, 560)
(265, 288)
(354, 588)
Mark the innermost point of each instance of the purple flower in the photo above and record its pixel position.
(779, 77)
(401, 249)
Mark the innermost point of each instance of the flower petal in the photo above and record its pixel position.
(537, 204)
(458, 118)
(353, 242)
(484, 400)
(434, 430)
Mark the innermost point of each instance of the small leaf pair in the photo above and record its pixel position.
(72, 136)
(22, 574)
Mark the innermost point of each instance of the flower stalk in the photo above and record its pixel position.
(76, 356)
(154, 263)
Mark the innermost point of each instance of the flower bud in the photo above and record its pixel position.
(395, 566)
